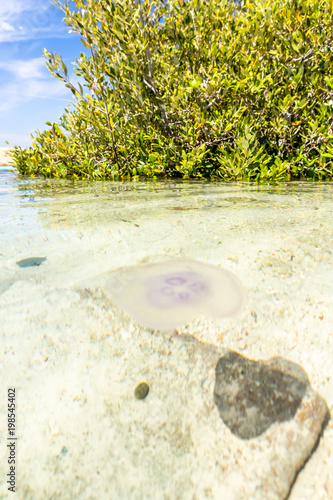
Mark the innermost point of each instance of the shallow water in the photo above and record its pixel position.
(283, 233)
(278, 240)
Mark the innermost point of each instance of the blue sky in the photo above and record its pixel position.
(30, 96)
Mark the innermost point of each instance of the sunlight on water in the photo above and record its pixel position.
(106, 225)
(70, 351)
(282, 232)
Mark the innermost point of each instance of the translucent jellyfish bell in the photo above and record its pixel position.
(169, 294)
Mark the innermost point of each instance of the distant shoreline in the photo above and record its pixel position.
(5, 159)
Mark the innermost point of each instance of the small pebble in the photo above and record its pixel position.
(141, 390)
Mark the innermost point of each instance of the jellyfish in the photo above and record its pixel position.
(167, 295)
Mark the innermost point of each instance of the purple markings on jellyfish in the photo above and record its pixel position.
(177, 280)
(172, 290)
(197, 287)
(171, 293)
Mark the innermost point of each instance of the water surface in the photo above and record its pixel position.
(76, 359)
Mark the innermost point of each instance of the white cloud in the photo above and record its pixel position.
(29, 80)
(8, 9)
(14, 95)
(33, 68)
(29, 93)
(29, 19)
(6, 27)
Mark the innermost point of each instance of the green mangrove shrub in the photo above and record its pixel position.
(194, 89)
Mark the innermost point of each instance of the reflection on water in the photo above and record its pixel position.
(31, 204)
(278, 227)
